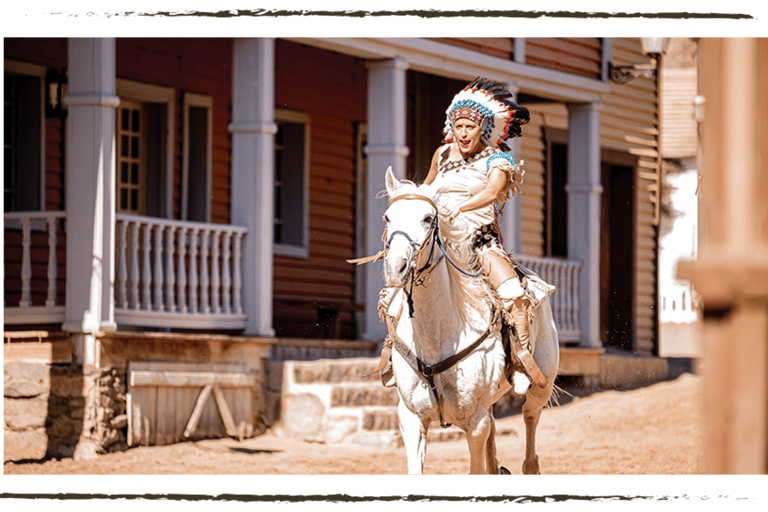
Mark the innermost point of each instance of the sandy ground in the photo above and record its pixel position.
(655, 430)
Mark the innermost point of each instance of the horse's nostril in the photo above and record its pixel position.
(403, 267)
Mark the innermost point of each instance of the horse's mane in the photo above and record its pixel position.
(468, 293)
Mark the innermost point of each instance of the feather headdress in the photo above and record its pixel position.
(489, 104)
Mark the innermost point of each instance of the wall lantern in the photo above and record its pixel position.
(653, 47)
(55, 81)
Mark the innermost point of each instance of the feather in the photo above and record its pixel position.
(506, 117)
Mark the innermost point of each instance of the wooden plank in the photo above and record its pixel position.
(226, 416)
(140, 378)
(198, 410)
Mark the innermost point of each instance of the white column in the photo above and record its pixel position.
(90, 184)
(511, 228)
(253, 128)
(386, 147)
(584, 191)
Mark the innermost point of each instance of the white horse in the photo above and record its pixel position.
(448, 358)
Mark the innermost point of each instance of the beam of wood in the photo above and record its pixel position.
(226, 416)
(188, 379)
(198, 410)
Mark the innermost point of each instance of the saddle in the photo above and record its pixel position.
(535, 288)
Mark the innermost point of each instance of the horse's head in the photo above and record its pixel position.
(411, 221)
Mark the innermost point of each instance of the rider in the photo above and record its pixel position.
(476, 175)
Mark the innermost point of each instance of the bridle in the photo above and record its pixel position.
(417, 277)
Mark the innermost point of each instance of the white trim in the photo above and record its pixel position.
(197, 100)
(607, 58)
(33, 70)
(165, 96)
(518, 49)
(283, 249)
(441, 59)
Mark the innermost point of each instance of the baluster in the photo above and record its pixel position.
(26, 263)
(122, 269)
(575, 297)
(193, 276)
(237, 284)
(205, 306)
(181, 298)
(135, 304)
(52, 265)
(215, 281)
(170, 273)
(226, 282)
(146, 274)
(159, 303)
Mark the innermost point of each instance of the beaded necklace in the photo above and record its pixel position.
(458, 164)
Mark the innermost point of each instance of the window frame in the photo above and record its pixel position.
(165, 96)
(190, 100)
(24, 69)
(553, 136)
(285, 249)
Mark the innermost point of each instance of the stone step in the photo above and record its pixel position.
(360, 370)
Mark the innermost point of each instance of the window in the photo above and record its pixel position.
(197, 165)
(292, 184)
(144, 156)
(556, 198)
(23, 135)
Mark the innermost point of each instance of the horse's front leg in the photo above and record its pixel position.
(480, 429)
(414, 433)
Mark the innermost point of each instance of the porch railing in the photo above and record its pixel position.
(178, 274)
(564, 274)
(25, 312)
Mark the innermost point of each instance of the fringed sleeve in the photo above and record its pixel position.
(503, 162)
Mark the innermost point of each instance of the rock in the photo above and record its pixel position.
(23, 389)
(120, 421)
(28, 445)
(86, 450)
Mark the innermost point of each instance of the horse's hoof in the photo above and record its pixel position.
(504, 471)
(531, 467)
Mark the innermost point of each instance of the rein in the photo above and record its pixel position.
(418, 277)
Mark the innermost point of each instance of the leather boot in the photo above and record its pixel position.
(521, 342)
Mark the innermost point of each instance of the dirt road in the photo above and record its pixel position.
(654, 430)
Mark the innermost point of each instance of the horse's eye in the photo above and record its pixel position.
(428, 219)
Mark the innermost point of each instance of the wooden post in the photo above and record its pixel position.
(731, 273)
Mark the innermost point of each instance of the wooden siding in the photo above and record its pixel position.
(202, 66)
(579, 56)
(678, 90)
(331, 88)
(493, 46)
(628, 124)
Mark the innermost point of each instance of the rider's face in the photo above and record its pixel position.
(466, 133)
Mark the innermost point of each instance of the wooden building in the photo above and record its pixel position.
(193, 201)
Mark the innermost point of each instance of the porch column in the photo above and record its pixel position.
(511, 229)
(584, 191)
(253, 178)
(386, 147)
(90, 185)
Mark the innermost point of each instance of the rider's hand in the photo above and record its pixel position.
(453, 214)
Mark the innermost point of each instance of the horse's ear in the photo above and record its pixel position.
(392, 183)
